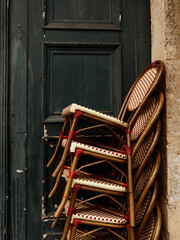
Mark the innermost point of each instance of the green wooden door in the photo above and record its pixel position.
(62, 51)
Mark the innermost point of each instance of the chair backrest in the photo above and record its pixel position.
(140, 149)
(146, 209)
(143, 87)
(142, 121)
(152, 228)
(149, 201)
(142, 152)
(146, 179)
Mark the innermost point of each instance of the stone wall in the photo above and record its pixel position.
(165, 27)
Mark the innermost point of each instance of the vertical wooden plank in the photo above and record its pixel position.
(3, 119)
(35, 116)
(128, 45)
(143, 34)
(136, 39)
(18, 110)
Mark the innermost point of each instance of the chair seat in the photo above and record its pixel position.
(98, 215)
(71, 109)
(97, 183)
(95, 215)
(89, 148)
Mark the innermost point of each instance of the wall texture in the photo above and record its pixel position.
(165, 27)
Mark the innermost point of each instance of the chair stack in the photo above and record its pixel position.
(121, 172)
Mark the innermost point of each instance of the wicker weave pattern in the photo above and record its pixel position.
(141, 89)
(143, 179)
(143, 118)
(148, 229)
(142, 209)
(98, 215)
(143, 149)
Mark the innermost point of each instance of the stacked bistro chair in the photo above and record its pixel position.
(138, 114)
(116, 188)
(148, 177)
(150, 227)
(144, 195)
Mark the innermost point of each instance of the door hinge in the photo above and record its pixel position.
(120, 17)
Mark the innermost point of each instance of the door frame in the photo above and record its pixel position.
(4, 196)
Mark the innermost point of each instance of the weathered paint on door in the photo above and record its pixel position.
(62, 52)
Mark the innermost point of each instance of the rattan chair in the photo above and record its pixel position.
(103, 185)
(145, 121)
(104, 233)
(143, 186)
(157, 71)
(154, 106)
(140, 91)
(140, 157)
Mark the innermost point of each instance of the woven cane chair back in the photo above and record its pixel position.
(152, 228)
(143, 87)
(146, 209)
(146, 179)
(144, 150)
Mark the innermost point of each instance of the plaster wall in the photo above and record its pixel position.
(165, 28)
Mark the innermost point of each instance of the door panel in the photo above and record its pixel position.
(63, 52)
(84, 75)
(83, 14)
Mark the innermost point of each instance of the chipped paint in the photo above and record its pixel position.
(45, 132)
(45, 236)
(19, 171)
(52, 145)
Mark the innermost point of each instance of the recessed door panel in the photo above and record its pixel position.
(85, 77)
(91, 14)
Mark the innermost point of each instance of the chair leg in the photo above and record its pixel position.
(66, 149)
(73, 232)
(68, 218)
(58, 144)
(132, 234)
(130, 188)
(67, 189)
(56, 184)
